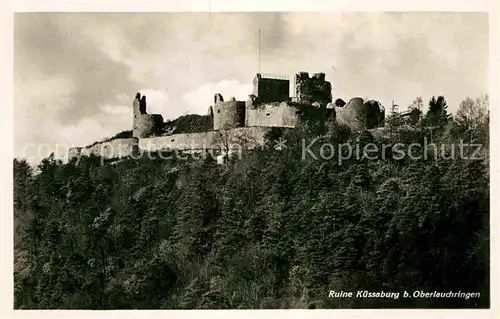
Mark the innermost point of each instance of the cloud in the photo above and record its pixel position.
(157, 101)
(38, 130)
(36, 108)
(198, 100)
(58, 138)
(381, 52)
(73, 70)
(57, 45)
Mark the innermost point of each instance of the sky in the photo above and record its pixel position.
(76, 74)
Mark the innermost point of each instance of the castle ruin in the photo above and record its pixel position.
(269, 105)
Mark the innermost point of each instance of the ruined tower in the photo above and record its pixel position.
(312, 89)
(271, 88)
(144, 125)
(229, 114)
(360, 114)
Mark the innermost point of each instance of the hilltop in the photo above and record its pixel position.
(269, 106)
(272, 229)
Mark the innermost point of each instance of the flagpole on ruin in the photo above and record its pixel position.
(259, 50)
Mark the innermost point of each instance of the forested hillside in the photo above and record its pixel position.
(273, 229)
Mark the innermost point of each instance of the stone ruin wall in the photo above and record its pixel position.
(273, 115)
(190, 141)
(247, 137)
(244, 137)
(146, 125)
(347, 116)
(110, 149)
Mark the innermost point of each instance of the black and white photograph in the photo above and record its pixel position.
(251, 160)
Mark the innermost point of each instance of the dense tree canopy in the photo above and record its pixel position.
(273, 229)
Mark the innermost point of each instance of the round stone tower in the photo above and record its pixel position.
(144, 125)
(360, 114)
(229, 114)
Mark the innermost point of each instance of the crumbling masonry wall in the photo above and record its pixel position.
(242, 138)
(147, 124)
(246, 137)
(111, 149)
(273, 115)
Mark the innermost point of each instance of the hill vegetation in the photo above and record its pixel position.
(274, 229)
(191, 123)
